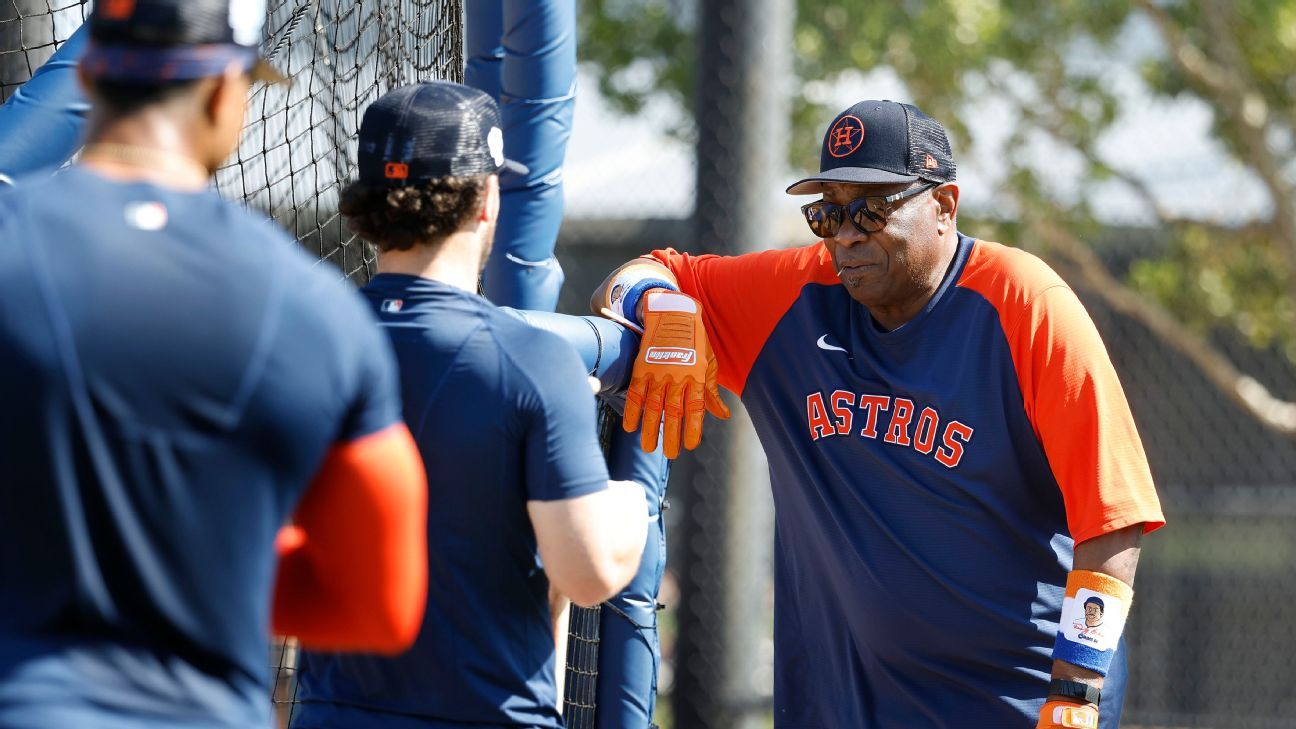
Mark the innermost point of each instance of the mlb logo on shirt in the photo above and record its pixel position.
(146, 215)
(392, 305)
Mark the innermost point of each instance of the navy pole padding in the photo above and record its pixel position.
(523, 52)
(40, 125)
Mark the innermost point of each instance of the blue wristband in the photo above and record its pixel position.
(1094, 608)
(630, 304)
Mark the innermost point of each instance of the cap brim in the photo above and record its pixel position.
(145, 64)
(514, 167)
(263, 71)
(852, 175)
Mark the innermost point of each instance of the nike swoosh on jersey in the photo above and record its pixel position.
(823, 344)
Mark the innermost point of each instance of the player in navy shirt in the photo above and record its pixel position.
(519, 497)
(177, 378)
(955, 469)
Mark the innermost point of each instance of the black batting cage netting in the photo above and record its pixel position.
(299, 147)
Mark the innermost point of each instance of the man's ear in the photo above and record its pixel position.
(947, 198)
(226, 93)
(491, 204)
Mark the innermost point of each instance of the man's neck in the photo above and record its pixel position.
(456, 262)
(144, 147)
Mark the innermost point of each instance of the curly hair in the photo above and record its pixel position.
(397, 218)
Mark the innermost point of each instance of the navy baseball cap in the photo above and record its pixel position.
(143, 41)
(433, 129)
(880, 142)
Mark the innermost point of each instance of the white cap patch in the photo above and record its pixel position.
(495, 142)
(247, 19)
(146, 215)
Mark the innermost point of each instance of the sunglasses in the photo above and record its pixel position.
(867, 214)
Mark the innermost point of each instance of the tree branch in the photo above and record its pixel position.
(1243, 389)
(1243, 108)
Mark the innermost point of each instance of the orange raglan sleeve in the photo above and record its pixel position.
(1080, 415)
(744, 297)
(353, 568)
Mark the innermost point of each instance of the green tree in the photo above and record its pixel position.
(1051, 63)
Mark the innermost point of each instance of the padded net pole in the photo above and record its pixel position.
(743, 59)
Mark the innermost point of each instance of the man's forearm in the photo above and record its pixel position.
(1115, 554)
(560, 613)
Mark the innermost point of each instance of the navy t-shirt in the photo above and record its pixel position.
(503, 415)
(173, 370)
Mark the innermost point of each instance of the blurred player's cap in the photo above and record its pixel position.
(432, 129)
(881, 142)
(144, 41)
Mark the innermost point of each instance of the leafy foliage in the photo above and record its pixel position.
(1053, 64)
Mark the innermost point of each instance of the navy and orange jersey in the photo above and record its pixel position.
(173, 370)
(929, 482)
(503, 414)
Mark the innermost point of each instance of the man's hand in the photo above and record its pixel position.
(1067, 715)
(674, 373)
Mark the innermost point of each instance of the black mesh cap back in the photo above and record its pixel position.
(453, 140)
(930, 156)
(429, 130)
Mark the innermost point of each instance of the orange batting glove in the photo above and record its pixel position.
(675, 373)
(1067, 715)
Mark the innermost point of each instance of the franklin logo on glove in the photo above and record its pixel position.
(671, 355)
(674, 380)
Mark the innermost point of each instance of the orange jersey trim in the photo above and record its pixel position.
(1072, 396)
(744, 297)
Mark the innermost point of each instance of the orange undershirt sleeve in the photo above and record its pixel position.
(744, 297)
(353, 567)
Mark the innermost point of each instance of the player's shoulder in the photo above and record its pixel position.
(1009, 278)
(526, 342)
(537, 359)
(807, 256)
(810, 262)
(802, 264)
(23, 192)
(319, 292)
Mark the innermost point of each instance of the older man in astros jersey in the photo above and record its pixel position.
(955, 468)
(177, 378)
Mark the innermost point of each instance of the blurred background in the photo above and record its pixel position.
(1145, 149)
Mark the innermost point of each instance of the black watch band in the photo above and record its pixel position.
(1075, 690)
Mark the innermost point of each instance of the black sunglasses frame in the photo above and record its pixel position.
(833, 213)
